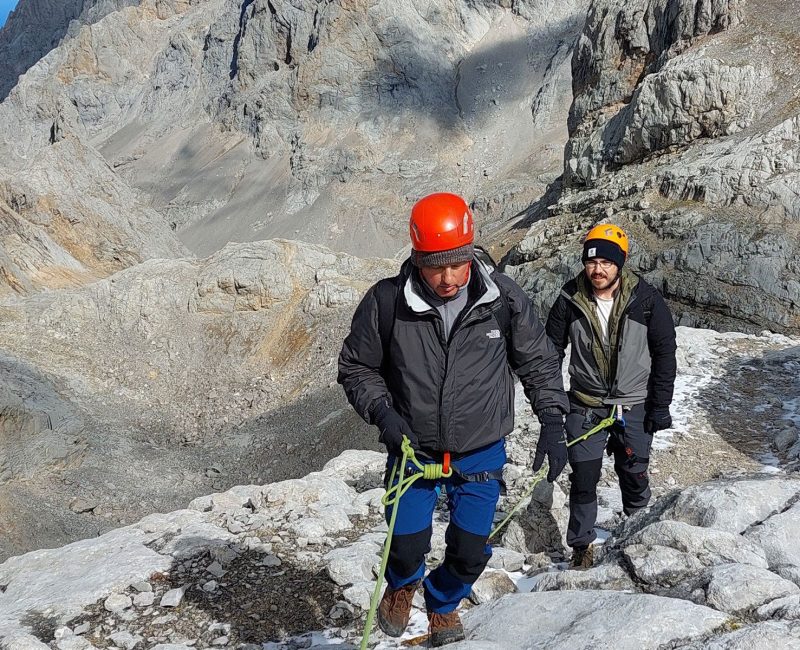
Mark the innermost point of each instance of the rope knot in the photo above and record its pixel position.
(432, 472)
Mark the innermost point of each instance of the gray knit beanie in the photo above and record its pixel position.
(443, 258)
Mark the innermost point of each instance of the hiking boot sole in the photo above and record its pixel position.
(444, 637)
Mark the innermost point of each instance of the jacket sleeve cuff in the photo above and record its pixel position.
(378, 409)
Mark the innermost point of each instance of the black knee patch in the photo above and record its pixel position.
(408, 552)
(583, 481)
(466, 556)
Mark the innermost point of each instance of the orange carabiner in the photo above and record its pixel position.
(446, 463)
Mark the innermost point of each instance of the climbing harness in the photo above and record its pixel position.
(427, 471)
(434, 472)
(615, 417)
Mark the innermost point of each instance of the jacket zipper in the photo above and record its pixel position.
(439, 326)
(622, 318)
(469, 319)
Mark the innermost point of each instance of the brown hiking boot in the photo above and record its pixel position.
(395, 609)
(444, 629)
(582, 558)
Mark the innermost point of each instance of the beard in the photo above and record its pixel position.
(602, 281)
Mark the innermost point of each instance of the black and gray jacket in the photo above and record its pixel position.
(457, 394)
(638, 365)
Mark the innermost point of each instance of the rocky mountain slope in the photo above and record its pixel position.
(142, 131)
(684, 130)
(134, 132)
(239, 120)
(140, 391)
(292, 564)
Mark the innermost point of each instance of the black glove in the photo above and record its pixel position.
(552, 443)
(657, 418)
(393, 427)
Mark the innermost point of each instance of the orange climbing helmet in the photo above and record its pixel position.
(606, 241)
(441, 229)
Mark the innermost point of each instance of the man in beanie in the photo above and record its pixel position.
(430, 356)
(622, 360)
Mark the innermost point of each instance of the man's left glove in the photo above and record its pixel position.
(657, 418)
(552, 443)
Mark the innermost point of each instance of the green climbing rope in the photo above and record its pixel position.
(429, 471)
(432, 472)
(539, 476)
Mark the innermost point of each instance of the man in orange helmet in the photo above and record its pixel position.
(430, 356)
(622, 360)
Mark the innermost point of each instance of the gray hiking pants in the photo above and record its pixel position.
(630, 446)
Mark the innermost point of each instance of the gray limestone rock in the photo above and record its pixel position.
(542, 524)
(670, 139)
(738, 588)
(173, 597)
(359, 594)
(503, 558)
(491, 586)
(785, 438)
(732, 505)
(708, 545)
(587, 618)
(115, 603)
(144, 599)
(778, 536)
(761, 636)
(125, 640)
(607, 576)
(353, 564)
(786, 608)
(661, 565)
(22, 641)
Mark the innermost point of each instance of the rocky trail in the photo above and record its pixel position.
(291, 564)
(137, 378)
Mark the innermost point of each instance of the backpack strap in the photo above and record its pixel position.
(386, 295)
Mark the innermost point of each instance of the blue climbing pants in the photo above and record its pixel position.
(472, 507)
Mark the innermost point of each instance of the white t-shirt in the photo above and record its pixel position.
(604, 307)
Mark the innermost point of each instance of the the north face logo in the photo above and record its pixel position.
(493, 334)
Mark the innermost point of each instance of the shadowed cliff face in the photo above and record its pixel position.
(684, 130)
(321, 121)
